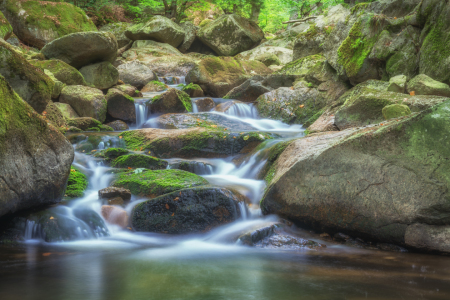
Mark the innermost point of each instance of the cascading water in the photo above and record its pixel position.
(141, 114)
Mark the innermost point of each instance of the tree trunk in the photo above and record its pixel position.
(256, 9)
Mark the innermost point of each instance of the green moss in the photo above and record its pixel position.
(5, 28)
(112, 153)
(155, 183)
(139, 161)
(395, 111)
(185, 99)
(61, 70)
(158, 83)
(77, 183)
(191, 86)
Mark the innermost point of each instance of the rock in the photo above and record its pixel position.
(268, 59)
(397, 84)
(120, 106)
(188, 211)
(118, 125)
(86, 101)
(101, 75)
(6, 30)
(118, 30)
(193, 90)
(395, 111)
(283, 55)
(54, 116)
(204, 105)
(115, 215)
(192, 142)
(196, 167)
(67, 111)
(158, 28)
(136, 74)
(92, 47)
(172, 101)
(29, 82)
(111, 153)
(76, 184)
(190, 35)
(230, 35)
(430, 238)
(34, 156)
(147, 51)
(356, 181)
(13, 40)
(39, 23)
(256, 235)
(115, 201)
(152, 184)
(424, 85)
(88, 124)
(310, 42)
(57, 85)
(61, 70)
(112, 192)
(139, 161)
(286, 242)
(154, 86)
(169, 66)
(218, 75)
(129, 90)
(324, 123)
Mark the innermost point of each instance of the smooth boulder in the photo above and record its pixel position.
(86, 101)
(425, 85)
(61, 70)
(136, 74)
(101, 75)
(120, 106)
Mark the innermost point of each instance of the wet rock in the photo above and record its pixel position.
(397, 84)
(120, 106)
(237, 34)
(283, 55)
(129, 90)
(67, 111)
(340, 237)
(187, 211)
(286, 242)
(116, 201)
(115, 215)
(205, 104)
(61, 70)
(113, 192)
(136, 74)
(101, 75)
(154, 86)
(86, 101)
(112, 153)
(118, 125)
(196, 167)
(118, 30)
(424, 85)
(92, 47)
(172, 101)
(139, 161)
(158, 28)
(88, 124)
(395, 111)
(193, 90)
(255, 236)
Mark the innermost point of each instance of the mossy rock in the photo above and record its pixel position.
(397, 84)
(66, 110)
(118, 29)
(6, 30)
(38, 23)
(76, 184)
(395, 111)
(55, 116)
(154, 86)
(118, 125)
(155, 183)
(425, 85)
(172, 101)
(101, 75)
(268, 59)
(61, 70)
(86, 101)
(193, 90)
(120, 106)
(139, 161)
(57, 85)
(136, 74)
(88, 124)
(112, 153)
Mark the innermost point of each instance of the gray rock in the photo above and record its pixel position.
(397, 84)
(424, 85)
(136, 74)
(112, 192)
(118, 29)
(86, 101)
(120, 106)
(191, 33)
(101, 75)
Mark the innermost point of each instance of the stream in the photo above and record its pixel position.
(112, 263)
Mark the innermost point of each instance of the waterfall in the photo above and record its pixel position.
(141, 114)
(243, 110)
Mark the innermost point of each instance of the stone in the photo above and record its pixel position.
(284, 55)
(54, 116)
(193, 210)
(139, 161)
(136, 74)
(118, 125)
(61, 70)
(86, 101)
(116, 201)
(172, 65)
(154, 86)
(67, 111)
(6, 30)
(118, 30)
(428, 238)
(101, 75)
(158, 28)
(92, 47)
(172, 101)
(193, 90)
(35, 157)
(88, 124)
(395, 111)
(111, 153)
(204, 105)
(397, 84)
(230, 35)
(190, 35)
(425, 85)
(57, 85)
(112, 192)
(324, 123)
(129, 90)
(115, 215)
(120, 106)
(268, 59)
(39, 23)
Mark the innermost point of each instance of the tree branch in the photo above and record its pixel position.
(299, 21)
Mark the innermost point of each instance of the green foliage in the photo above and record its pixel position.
(76, 184)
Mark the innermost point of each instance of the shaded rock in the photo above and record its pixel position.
(61, 70)
(154, 86)
(196, 167)
(38, 23)
(115, 215)
(101, 75)
(395, 111)
(139, 161)
(397, 84)
(88, 124)
(118, 30)
(6, 30)
(204, 105)
(430, 238)
(34, 156)
(86, 101)
(230, 35)
(172, 101)
(268, 59)
(118, 125)
(283, 55)
(255, 236)
(120, 106)
(310, 42)
(424, 85)
(57, 85)
(190, 35)
(136, 74)
(193, 90)
(129, 90)
(66, 110)
(158, 28)
(112, 192)
(92, 47)
(54, 116)
(188, 211)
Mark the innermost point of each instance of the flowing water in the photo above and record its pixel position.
(111, 263)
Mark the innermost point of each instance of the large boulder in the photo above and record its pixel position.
(424, 85)
(6, 29)
(86, 101)
(34, 156)
(101, 75)
(139, 161)
(230, 35)
(136, 74)
(158, 28)
(380, 182)
(67, 111)
(188, 211)
(218, 75)
(29, 82)
(172, 101)
(120, 106)
(91, 47)
(284, 55)
(190, 35)
(61, 70)
(118, 29)
(39, 22)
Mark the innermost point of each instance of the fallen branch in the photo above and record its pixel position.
(299, 21)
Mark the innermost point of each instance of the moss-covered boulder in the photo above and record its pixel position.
(147, 51)
(57, 85)
(120, 106)
(55, 116)
(395, 111)
(397, 84)
(29, 82)
(61, 70)
(158, 28)
(39, 22)
(153, 183)
(218, 75)
(193, 90)
(203, 105)
(260, 53)
(6, 29)
(129, 90)
(66, 110)
(172, 101)
(86, 101)
(112, 153)
(230, 35)
(76, 184)
(88, 124)
(154, 86)
(34, 156)
(193, 142)
(101, 75)
(136, 74)
(118, 29)
(310, 42)
(268, 59)
(91, 47)
(374, 182)
(139, 161)
(190, 31)
(425, 85)
(189, 211)
(118, 125)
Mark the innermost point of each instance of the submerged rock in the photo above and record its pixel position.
(115, 215)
